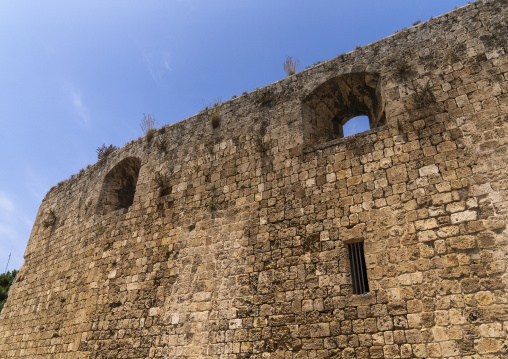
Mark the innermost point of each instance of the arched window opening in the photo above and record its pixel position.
(119, 186)
(328, 110)
(355, 125)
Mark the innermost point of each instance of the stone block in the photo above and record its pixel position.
(489, 346)
(397, 174)
(320, 330)
(462, 242)
(419, 350)
(464, 216)
(384, 323)
(427, 236)
(428, 170)
(391, 351)
(449, 349)
(426, 224)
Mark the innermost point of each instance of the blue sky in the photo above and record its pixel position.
(77, 74)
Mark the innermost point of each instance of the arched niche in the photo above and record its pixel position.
(119, 186)
(336, 101)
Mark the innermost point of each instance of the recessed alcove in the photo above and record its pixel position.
(119, 186)
(355, 96)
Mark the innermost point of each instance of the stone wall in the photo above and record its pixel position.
(234, 241)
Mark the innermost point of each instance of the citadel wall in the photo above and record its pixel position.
(231, 241)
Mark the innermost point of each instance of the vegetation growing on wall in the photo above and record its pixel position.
(291, 65)
(162, 184)
(148, 126)
(215, 114)
(423, 95)
(264, 98)
(51, 220)
(103, 152)
(262, 146)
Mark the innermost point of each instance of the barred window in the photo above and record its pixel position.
(358, 268)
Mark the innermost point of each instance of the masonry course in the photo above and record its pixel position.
(231, 240)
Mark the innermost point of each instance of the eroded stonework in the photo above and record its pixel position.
(231, 240)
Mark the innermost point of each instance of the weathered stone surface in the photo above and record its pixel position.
(231, 241)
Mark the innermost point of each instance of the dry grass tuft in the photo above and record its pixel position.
(291, 65)
(148, 126)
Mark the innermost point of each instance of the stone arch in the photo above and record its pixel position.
(119, 186)
(336, 101)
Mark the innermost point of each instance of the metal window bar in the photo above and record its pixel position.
(358, 268)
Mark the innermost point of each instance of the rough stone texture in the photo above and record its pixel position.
(235, 243)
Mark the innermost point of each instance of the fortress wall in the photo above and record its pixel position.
(266, 273)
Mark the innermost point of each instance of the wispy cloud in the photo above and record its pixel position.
(80, 107)
(158, 65)
(77, 103)
(166, 64)
(166, 60)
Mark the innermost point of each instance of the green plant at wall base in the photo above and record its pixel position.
(291, 65)
(103, 152)
(6, 280)
(212, 204)
(51, 220)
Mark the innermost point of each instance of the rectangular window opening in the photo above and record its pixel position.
(358, 268)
